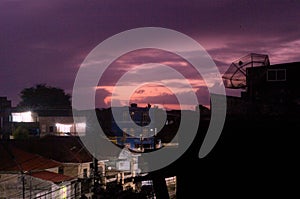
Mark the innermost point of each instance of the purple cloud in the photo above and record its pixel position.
(46, 41)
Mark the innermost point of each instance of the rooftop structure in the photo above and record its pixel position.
(236, 75)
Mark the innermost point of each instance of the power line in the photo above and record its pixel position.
(18, 165)
(44, 187)
(77, 176)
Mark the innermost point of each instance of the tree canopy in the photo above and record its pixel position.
(42, 97)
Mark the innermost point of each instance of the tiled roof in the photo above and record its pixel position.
(64, 149)
(51, 176)
(14, 159)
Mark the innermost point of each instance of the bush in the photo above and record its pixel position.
(21, 133)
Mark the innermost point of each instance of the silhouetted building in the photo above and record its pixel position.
(133, 126)
(5, 108)
(269, 91)
(27, 174)
(43, 122)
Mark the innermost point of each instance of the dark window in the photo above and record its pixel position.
(147, 146)
(84, 173)
(276, 75)
(51, 129)
(60, 170)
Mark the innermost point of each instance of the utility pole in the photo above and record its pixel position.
(10, 153)
(30, 185)
(23, 185)
(96, 179)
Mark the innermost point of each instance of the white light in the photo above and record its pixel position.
(64, 128)
(80, 127)
(22, 117)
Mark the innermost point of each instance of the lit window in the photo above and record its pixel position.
(80, 127)
(64, 128)
(22, 117)
(276, 75)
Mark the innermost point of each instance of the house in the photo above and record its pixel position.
(274, 89)
(268, 91)
(131, 126)
(124, 169)
(25, 119)
(39, 184)
(59, 122)
(53, 185)
(123, 116)
(27, 175)
(74, 159)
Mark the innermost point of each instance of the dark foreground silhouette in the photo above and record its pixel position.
(251, 158)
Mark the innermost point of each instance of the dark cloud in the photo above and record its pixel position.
(46, 41)
(135, 59)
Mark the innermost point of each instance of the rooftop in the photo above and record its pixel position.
(64, 149)
(14, 159)
(51, 176)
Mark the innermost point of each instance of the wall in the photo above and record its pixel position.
(10, 185)
(48, 124)
(71, 169)
(81, 168)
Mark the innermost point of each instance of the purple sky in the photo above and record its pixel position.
(46, 41)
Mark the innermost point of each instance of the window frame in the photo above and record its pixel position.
(276, 75)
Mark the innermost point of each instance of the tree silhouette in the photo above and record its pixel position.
(44, 97)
